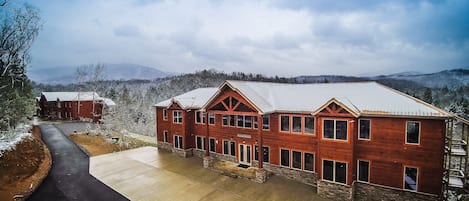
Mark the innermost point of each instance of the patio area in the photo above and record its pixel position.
(148, 173)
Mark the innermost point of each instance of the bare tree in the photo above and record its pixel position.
(18, 30)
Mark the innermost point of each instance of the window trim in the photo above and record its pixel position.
(335, 130)
(174, 116)
(416, 182)
(174, 144)
(301, 158)
(254, 158)
(211, 116)
(333, 171)
(359, 132)
(304, 124)
(214, 144)
(301, 124)
(358, 170)
(165, 136)
(280, 123)
(420, 132)
(201, 115)
(227, 120)
(314, 161)
(280, 157)
(165, 115)
(268, 120)
(203, 142)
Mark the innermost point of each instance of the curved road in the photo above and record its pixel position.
(69, 177)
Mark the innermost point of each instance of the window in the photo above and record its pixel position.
(296, 124)
(247, 122)
(240, 121)
(178, 142)
(413, 132)
(266, 122)
(296, 159)
(309, 125)
(265, 152)
(165, 114)
(335, 129)
(334, 171)
(255, 123)
(410, 178)
(200, 142)
(284, 123)
(211, 118)
(232, 120)
(363, 171)
(177, 116)
(309, 162)
(364, 132)
(225, 120)
(225, 147)
(285, 157)
(199, 117)
(233, 148)
(212, 147)
(165, 136)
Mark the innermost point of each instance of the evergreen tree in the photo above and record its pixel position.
(427, 96)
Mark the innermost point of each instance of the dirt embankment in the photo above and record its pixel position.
(22, 169)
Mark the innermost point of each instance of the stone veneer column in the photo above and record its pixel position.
(261, 176)
(208, 162)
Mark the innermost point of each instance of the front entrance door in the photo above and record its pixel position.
(244, 154)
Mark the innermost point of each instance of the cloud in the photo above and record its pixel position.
(270, 37)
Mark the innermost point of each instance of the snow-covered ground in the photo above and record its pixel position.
(9, 139)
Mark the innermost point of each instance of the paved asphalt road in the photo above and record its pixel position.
(69, 177)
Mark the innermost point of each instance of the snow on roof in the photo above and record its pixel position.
(69, 96)
(107, 101)
(194, 99)
(362, 98)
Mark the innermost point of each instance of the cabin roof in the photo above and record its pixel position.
(194, 99)
(363, 98)
(75, 96)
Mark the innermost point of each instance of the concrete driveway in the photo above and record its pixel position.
(150, 174)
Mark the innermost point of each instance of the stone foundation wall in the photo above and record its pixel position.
(222, 157)
(333, 191)
(297, 175)
(198, 153)
(364, 191)
(165, 145)
(183, 152)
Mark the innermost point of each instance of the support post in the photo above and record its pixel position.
(260, 150)
(207, 141)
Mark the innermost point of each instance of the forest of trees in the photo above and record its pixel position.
(135, 98)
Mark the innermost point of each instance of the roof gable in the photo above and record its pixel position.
(335, 108)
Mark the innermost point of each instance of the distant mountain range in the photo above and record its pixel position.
(448, 78)
(67, 74)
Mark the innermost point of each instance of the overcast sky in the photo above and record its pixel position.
(270, 37)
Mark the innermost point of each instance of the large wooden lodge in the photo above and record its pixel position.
(350, 140)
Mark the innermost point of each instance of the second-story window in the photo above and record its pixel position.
(335, 129)
(177, 116)
(309, 125)
(296, 124)
(225, 120)
(284, 123)
(199, 117)
(165, 114)
(413, 132)
(211, 118)
(266, 122)
(364, 132)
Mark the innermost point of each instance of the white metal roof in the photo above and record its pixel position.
(75, 96)
(361, 98)
(194, 99)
